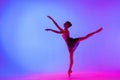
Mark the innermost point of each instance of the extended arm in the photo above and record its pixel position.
(90, 34)
(58, 32)
(55, 23)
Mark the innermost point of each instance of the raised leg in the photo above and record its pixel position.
(90, 34)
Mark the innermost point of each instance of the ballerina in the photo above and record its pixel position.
(71, 43)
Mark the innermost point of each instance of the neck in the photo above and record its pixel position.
(65, 28)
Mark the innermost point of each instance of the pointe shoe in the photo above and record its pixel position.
(69, 73)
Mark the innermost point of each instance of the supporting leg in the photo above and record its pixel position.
(71, 63)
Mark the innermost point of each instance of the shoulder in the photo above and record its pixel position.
(65, 31)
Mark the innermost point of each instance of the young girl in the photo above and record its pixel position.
(72, 43)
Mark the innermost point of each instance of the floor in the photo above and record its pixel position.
(63, 76)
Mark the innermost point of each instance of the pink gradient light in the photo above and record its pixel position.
(63, 76)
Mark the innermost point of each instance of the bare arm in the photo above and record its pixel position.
(90, 34)
(55, 23)
(58, 32)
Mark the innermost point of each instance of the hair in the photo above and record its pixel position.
(69, 23)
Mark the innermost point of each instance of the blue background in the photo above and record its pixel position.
(25, 47)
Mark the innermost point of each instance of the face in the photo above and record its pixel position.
(66, 25)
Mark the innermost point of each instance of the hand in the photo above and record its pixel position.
(100, 29)
(49, 17)
(47, 29)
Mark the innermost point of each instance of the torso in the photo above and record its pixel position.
(72, 43)
(65, 35)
